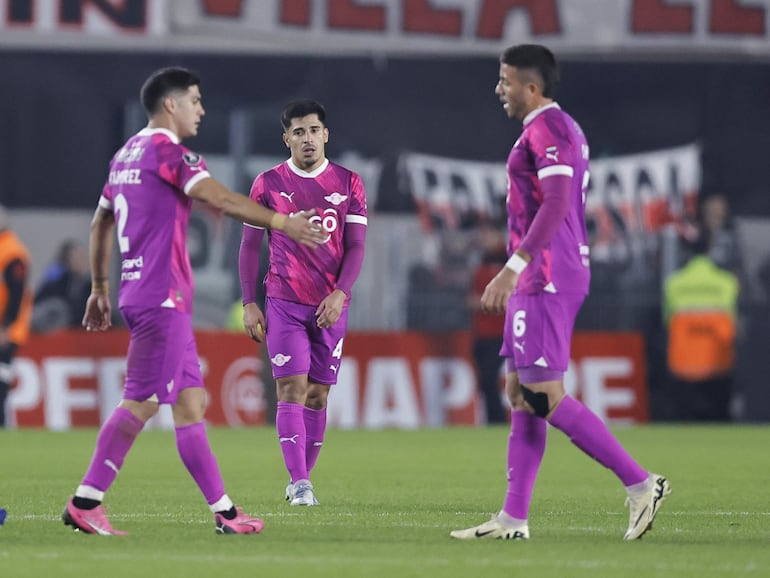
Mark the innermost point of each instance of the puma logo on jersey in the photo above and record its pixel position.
(552, 153)
(287, 195)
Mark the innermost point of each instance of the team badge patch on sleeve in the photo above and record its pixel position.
(192, 159)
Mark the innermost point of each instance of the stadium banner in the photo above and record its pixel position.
(404, 380)
(82, 24)
(629, 196)
(391, 26)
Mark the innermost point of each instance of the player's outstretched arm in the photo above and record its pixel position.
(297, 226)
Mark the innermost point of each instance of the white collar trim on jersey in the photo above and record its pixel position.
(531, 116)
(147, 131)
(304, 174)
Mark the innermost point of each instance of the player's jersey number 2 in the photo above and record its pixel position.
(121, 212)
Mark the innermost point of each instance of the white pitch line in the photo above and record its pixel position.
(520, 560)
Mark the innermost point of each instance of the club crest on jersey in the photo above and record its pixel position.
(335, 198)
(552, 153)
(192, 159)
(280, 359)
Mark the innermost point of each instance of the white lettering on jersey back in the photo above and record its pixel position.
(129, 269)
(136, 263)
(130, 155)
(130, 275)
(126, 177)
(585, 253)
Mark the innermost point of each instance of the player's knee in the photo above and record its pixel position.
(142, 410)
(516, 399)
(317, 394)
(190, 406)
(519, 404)
(537, 400)
(292, 390)
(315, 402)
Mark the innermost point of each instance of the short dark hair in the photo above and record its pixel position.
(164, 81)
(300, 109)
(538, 58)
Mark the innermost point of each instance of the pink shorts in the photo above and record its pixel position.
(297, 345)
(538, 334)
(162, 356)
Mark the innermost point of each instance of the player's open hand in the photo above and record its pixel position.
(330, 309)
(302, 229)
(498, 291)
(98, 315)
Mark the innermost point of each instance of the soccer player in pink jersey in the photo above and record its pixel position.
(541, 289)
(307, 292)
(150, 188)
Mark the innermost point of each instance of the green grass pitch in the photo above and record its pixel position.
(388, 501)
